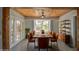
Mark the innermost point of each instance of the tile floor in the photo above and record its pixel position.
(24, 46)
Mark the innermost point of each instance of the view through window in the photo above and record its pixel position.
(42, 25)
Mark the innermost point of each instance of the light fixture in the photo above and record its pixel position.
(43, 12)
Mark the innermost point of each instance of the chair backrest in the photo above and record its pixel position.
(65, 38)
(61, 37)
(33, 32)
(30, 37)
(42, 31)
(57, 35)
(50, 33)
(43, 42)
(54, 35)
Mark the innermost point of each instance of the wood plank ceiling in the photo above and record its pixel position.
(36, 12)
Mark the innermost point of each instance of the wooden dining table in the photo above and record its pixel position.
(42, 35)
(43, 40)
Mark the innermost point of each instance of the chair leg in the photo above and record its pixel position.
(57, 44)
(47, 49)
(27, 45)
(51, 44)
(34, 44)
(39, 49)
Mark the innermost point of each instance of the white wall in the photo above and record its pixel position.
(70, 16)
(54, 25)
(16, 16)
(29, 24)
(0, 28)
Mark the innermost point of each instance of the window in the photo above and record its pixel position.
(18, 29)
(42, 25)
(11, 31)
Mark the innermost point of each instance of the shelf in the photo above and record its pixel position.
(65, 26)
(67, 23)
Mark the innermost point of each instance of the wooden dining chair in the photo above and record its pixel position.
(65, 38)
(61, 37)
(43, 43)
(33, 33)
(42, 31)
(54, 39)
(30, 38)
(50, 33)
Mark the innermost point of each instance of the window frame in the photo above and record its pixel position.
(49, 23)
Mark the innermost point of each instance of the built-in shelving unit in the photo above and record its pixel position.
(65, 26)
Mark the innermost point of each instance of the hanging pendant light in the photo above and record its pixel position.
(42, 16)
(42, 12)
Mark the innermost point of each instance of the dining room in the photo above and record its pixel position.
(42, 29)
